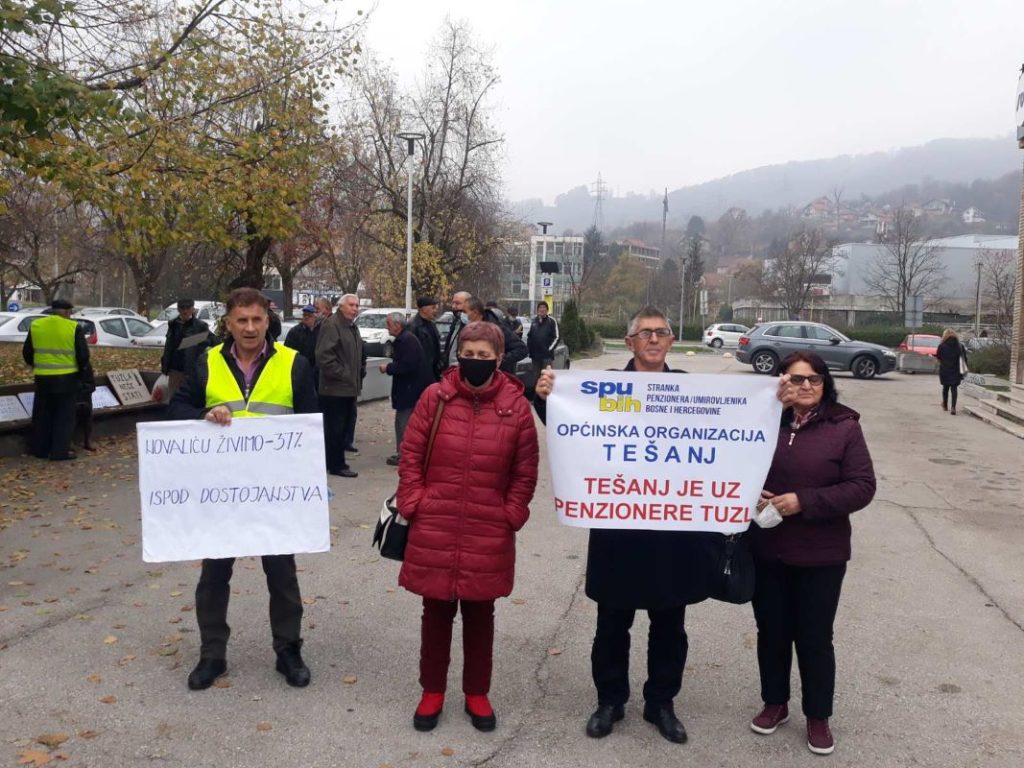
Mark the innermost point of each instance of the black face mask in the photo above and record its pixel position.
(475, 371)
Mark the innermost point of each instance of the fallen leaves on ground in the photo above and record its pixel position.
(264, 727)
(554, 651)
(350, 679)
(33, 757)
(94, 679)
(108, 700)
(52, 740)
(447, 751)
(109, 639)
(222, 682)
(87, 734)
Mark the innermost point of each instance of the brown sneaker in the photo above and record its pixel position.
(771, 717)
(819, 737)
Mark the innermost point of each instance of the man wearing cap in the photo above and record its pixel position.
(302, 337)
(424, 328)
(183, 332)
(58, 352)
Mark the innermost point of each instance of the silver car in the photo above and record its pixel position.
(767, 344)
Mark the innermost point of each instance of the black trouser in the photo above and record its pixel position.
(666, 654)
(53, 420)
(338, 413)
(797, 606)
(540, 363)
(946, 389)
(212, 595)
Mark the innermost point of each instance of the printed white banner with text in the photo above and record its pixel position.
(256, 487)
(660, 451)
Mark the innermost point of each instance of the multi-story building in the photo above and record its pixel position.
(565, 252)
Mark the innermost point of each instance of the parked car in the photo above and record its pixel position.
(373, 328)
(15, 328)
(156, 337)
(724, 335)
(766, 344)
(922, 343)
(121, 311)
(975, 343)
(208, 311)
(118, 331)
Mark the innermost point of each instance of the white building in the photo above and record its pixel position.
(565, 252)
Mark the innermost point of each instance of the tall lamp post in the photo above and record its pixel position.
(682, 294)
(533, 262)
(410, 137)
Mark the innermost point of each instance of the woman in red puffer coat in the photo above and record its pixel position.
(463, 512)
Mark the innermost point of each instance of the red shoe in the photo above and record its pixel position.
(771, 717)
(428, 712)
(480, 713)
(819, 737)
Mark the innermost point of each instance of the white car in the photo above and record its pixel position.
(119, 311)
(14, 326)
(724, 335)
(156, 337)
(117, 331)
(374, 330)
(207, 311)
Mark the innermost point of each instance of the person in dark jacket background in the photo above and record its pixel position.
(821, 473)
(515, 349)
(233, 372)
(410, 375)
(542, 338)
(175, 361)
(950, 352)
(424, 328)
(464, 505)
(341, 360)
(302, 337)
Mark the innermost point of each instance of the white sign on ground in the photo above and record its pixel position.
(102, 398)
(257, 487)
(11, 409)
(660, 451)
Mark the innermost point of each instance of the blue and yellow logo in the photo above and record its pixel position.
(612, 396)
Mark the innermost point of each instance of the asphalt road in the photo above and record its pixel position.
(95, 645)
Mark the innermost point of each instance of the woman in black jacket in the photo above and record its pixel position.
(950, 353)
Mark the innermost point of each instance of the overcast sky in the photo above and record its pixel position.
(667, 93)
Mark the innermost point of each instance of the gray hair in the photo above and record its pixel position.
(347, 296)
(463, 294)
(643, 314)
(396, 317)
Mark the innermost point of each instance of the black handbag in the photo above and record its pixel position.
(733, 580)
(392, 531)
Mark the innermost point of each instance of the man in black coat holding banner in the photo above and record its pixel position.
(628, 570)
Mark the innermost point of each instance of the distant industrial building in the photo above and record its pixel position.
(562, 253)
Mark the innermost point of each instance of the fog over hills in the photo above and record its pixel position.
(792, 184)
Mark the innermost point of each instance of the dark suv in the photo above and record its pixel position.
(767, 344)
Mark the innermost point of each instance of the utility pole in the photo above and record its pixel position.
(977, 303)
(682, 294)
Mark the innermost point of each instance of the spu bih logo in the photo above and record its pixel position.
(612, 396)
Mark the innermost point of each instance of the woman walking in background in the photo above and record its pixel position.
(952, 366)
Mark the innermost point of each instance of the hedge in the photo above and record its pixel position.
(616, 329)
(994, 359)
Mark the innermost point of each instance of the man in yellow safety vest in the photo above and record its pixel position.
(249, 375)
(58, 352)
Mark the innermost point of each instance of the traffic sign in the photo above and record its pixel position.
(13, 306)
(547, 283)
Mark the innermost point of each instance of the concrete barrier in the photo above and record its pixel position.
(915, 362)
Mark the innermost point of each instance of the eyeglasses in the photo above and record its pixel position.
(814, 380)
(646, 333)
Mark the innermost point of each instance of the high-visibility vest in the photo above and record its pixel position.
(53, 346)
(272, 395)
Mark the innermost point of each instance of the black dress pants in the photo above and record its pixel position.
(214, 590)
(339, 414)
(796, 606)
(667, 645)
(53, 421)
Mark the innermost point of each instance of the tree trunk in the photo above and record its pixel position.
(251, 275)
(145, 285)
(287, 283)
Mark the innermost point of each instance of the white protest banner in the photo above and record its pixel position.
(660, 451)
(256, 487)
(103, 398)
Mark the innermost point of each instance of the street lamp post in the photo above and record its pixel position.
(533, 262)
(682, 294)
(410, 137)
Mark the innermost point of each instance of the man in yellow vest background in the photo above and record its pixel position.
(57, 351)
(247, 376)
